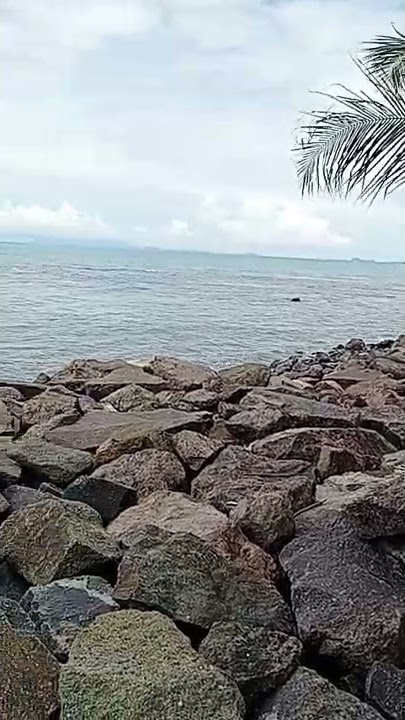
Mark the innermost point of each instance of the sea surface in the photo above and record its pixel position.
(64, 302)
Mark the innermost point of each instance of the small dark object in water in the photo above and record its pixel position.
(296, 299)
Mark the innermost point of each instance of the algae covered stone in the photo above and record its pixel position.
(133, 665)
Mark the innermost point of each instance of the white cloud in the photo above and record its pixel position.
(137, 110)
(66, 221)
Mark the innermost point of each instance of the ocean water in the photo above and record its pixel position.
(64, 302)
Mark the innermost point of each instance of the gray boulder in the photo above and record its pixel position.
(50, 462)
(385, 689)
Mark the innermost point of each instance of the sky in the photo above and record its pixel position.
(170, 123)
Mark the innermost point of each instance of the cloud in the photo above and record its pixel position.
(66, 221)
(140, 110)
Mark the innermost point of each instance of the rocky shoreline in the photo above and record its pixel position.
(182, 543)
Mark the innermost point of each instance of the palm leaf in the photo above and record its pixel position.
(360, 145)
(385, 56)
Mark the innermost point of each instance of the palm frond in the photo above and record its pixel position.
(359, 145)
(385, 56)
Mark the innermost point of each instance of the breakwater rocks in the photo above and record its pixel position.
(179, 543)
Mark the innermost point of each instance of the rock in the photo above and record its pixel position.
(128, 430)
(194, 449)
(181, 374)
(202, 399)
(393, 461)
(354, 373)
(74, 374)
(51, 462)
(60, 609)
(51, 539)
(348, 598)
(393, 365)
(133, 665)
(336, 460)
(12, 586)
(10, 472)
(308, 696)
(40, 430)
(266, 518)
(237, 473)
(9, 423)
(27, 390)
(28, 672)
(183, 577)
(289, 386)
(145, 472)
(4, 507)
(107, 497)
(19, 496)
(45, 406)
(380, 512)
(387, 421)
(366, 446)
(132, 397)
(385, 689)
(178, 513)
(99, 388)
(356, 345)
(10, 393)
(50, 489)
(247, 374)
(258, 659)
(378, 394)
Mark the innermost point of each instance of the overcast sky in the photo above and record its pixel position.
(170, 123)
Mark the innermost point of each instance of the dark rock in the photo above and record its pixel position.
(9, 423)
(356, 345)
(385, 689)
(12, 586)
(295, 299)
(178, 513)
(202, 399)
(19, 496)
(181, 374)
(45, 406)
(348, 598)
(133, 665)
(28, 673)
(4, 507)
(27, 390)
(51, 539)
(236, 473)
(367, 446)
(125, 431)
(387, 421)
(336, 460)
(50, 489)
(145, 472)
(266, 518)
(258, 659)
(103, 494)
(183, 577)
(132, 397)
(50, 462)
(59, 610)
(10, 472)
(307, 696)
(194, 449)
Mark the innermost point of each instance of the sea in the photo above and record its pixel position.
(60, 302)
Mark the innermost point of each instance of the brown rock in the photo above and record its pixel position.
(45, 406)
(202, 399)
(194, 449)
(132, 397)
(354, 373)
(181, 374)
(48, 461)
(333, 461)
(266, 518)
(51, 539)
(178, 513)
(27, 390)
(10, 472)
(388, 421)
(236, 473)
(379, 512)
(28, 672)
(128, 430)
(144, 472)
(9, 423)
(125, 375)
(77, 371)
(306, 444)
(247, 374)
(376, 394)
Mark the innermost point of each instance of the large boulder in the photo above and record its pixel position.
(131, 397)
(246, 374)
(47, 405)
(385, 689)
(125, 431)
(366, 446)
(348, 598)
(307, 696)
(266, 518)
(257, 658)
(12, 586)
(194, 449)
(28, 672)
(181, 374)
(135, 665)
(182, 576)
(145, 472)
(60, 609)
(76, 372)
(10, 472)
(178, 513)
(99, 388)
(388, 421)
(9, 421)
(379, 512)
(52, 539)
(47, 461)
(237, 473)
(354, 372)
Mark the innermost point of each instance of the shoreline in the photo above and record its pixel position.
(234, 538)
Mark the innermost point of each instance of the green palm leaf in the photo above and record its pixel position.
(360, 146)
